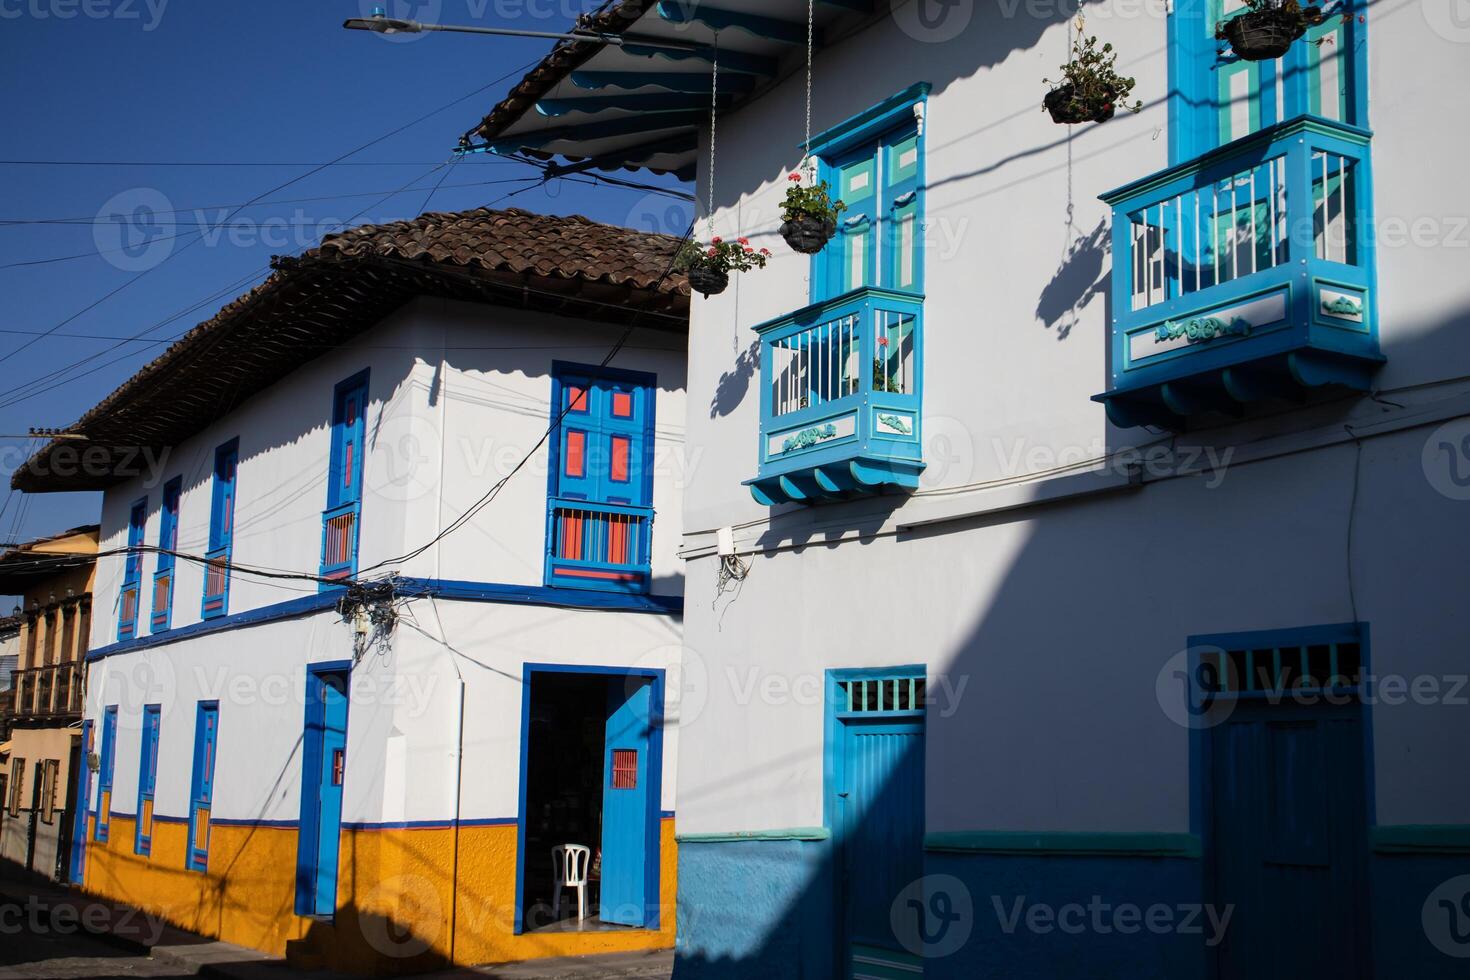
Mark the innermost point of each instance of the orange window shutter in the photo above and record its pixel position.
(618, 468)
(576, 464)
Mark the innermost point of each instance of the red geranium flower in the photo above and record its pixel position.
(794, 177)
(743, 241)
(882, 341)
(716, 240)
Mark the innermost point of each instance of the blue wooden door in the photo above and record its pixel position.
(880, 803)
(105, 774)
(332, 766)
(1289, 842)
(850, 259)
(626, 803)
(206, 733)
(83, 776)
(147, 780)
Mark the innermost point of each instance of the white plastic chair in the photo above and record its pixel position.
(569, 870)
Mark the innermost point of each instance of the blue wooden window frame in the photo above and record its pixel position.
(875, 144)
(224, 502)
(105, 769)
(129, 596)
(168, 541)
(613, 506)
(201, 784)
(1200, 66)
(145, 815)
(344, 479)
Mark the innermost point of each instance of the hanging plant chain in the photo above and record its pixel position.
(714, 102)
(806, 146)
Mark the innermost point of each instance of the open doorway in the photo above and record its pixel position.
(590, 779)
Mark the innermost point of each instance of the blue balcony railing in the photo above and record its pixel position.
(1244, 274)
(598, 546)
(841, 387)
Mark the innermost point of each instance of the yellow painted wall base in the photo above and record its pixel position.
(398, 909)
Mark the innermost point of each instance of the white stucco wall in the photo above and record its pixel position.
(458, 394)
(1058, 619)
(1010, 361)
(404, 713)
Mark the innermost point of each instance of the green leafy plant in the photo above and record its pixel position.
(809, 201)
(1090, 87)
(721, 256)
(1289, 14)
(890, 384)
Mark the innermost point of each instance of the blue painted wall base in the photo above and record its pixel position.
(1402, 944)
(755, 909)
(999, 948)
(764, 909)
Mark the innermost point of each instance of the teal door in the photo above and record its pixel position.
(628, 830)
(1289, 841)
(321, 803)
(880, 827)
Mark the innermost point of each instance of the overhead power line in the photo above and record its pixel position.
(212, 163)
(37, 385)
(282, 186)
(94, 219)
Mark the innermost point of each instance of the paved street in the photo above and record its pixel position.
(50, 933)
(36, 943)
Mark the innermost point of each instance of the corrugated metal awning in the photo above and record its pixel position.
(607, 107)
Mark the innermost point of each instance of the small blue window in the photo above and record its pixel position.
(127, 614)
(104, 774)
(343, 516)
(600, 506)
(168, 543)
(147, 780)
(221, 530)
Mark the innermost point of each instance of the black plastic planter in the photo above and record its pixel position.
(808, 235)
(708, 281)
(1066, 109)
(1265, 35)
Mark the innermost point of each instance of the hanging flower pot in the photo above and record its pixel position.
(1090, 89)
(808, 235)
(708, 281)
(1268, 28)
(1068, 108)
(708, 267)
(808, 216)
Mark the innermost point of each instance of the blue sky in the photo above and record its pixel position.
(273, 82)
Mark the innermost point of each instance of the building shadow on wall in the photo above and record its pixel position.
(1066, 653)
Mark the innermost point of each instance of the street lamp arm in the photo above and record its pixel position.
(380, 24)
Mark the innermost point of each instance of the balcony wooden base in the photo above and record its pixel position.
(1291, 376)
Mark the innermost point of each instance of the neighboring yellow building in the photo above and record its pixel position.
(54, 576)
